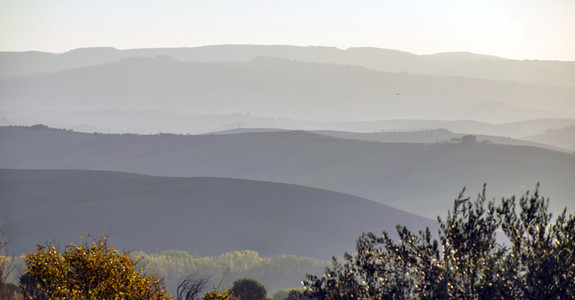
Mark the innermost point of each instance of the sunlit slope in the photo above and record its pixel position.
(208, 216)
(419, 178)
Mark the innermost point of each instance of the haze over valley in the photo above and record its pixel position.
(369, 123)
(236, 143)
(364, 129)
(283, 88)
(403, 175)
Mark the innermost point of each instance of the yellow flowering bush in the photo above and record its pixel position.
(92, 270)
(216, 295)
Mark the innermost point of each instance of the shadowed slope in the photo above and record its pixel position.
(414, 177)
(208, 216)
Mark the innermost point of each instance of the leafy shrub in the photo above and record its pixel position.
(90, 271)
(466, 261)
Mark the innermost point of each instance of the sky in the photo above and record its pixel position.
(518, 29)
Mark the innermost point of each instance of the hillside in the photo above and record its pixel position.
(442, 64)
(430, 136)
(208, 216)
(419, 136)
(145, 122)
(564, 137)
(283, 88)
(418, 178)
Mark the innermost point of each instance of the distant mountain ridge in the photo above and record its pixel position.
(280, 87)
(443, 64)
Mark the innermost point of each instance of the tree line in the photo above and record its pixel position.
(177, 267)
(507, 249)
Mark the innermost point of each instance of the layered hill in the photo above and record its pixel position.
(419, 136)
(431, 136)
(442, 64)
(419, 178)
(283, 88)
(564, 137)
(203, 215)
(145, 122)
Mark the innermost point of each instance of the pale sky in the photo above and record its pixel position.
(520, 29)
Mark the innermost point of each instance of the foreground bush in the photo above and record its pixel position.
(465, 261)
(216, 295)
(248, 289)
(89, 271)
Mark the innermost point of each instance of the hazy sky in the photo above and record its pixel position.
(521, 29)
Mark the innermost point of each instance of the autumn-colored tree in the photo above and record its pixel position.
(217, 295)
(92, 270)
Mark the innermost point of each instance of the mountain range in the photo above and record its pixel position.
(283, 88)
(462, 64)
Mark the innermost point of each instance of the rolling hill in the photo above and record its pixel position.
(208, 216)
(418, 136)
(145, 122)
(442, 64)
(419, 178)
(283, 88)
(563, 137)
(430, 137)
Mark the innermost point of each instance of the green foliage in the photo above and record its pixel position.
(7, 290)
(248, 289)
(280, 294)
(89, 271)
(4, 260)
(277, 272)
(283, 294)
(175, 266)
(466, 261)
(297, 295)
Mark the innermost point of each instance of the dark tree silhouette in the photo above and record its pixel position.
(465, 261)
(191, 287)
(248, 289)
